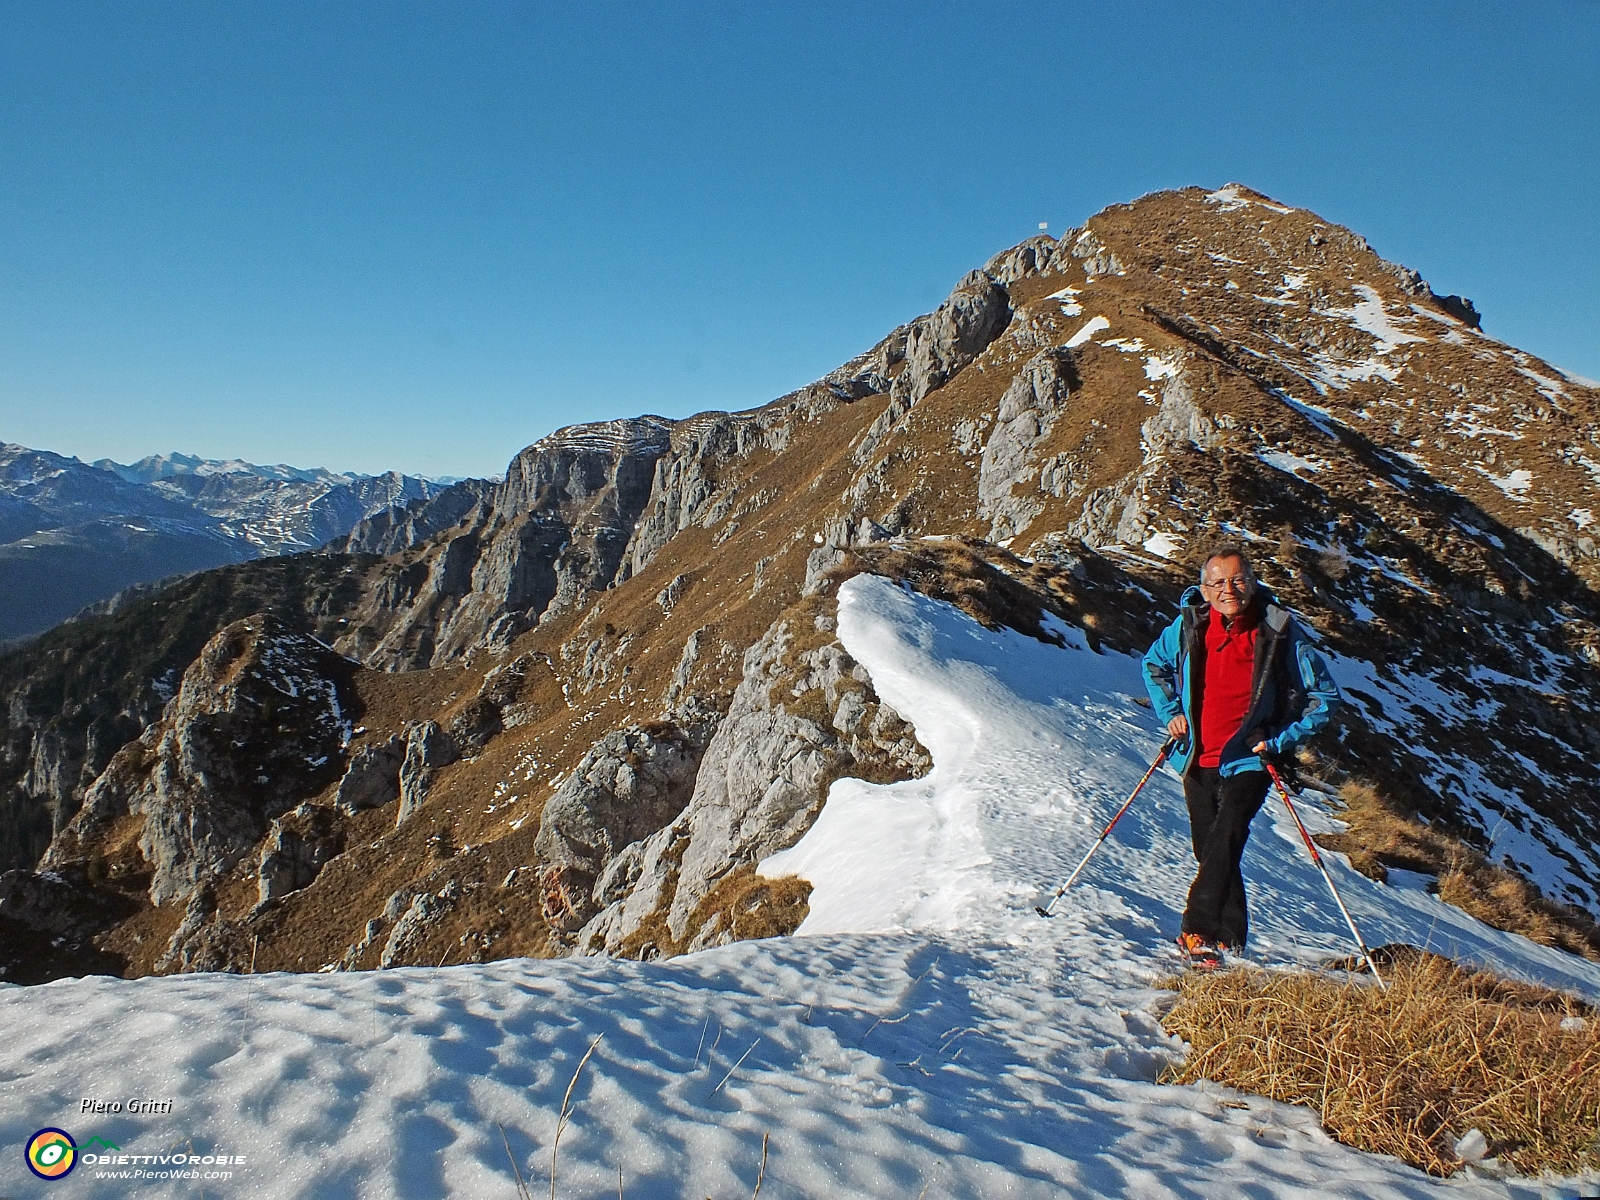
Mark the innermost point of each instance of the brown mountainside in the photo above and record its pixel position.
(588, 708)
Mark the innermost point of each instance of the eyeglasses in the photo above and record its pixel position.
(1239, 583)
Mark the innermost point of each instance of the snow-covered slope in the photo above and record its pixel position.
(1034, 750)
(927, 1035)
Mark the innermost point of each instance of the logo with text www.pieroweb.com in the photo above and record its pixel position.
(53, 1154)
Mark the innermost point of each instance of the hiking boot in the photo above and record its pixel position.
(1200, 953)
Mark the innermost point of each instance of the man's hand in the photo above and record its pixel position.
(1178, 727)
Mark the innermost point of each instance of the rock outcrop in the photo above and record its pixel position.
(373, 776)
(932, 349)
(205, 940)
(406, 526)
(939, 345)
(297, 847)
(804, 715)
(555, 530)
(687, 490)
(633, 782)
(60, 905)
(89, 687)
(428, 747)
(1010, 488)
(412, 925)
(257, 725)
(1036, 256)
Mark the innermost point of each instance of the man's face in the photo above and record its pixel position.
(1227, 586)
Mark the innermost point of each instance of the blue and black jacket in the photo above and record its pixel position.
(1291, 692)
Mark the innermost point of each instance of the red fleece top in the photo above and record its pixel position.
(1230, 662)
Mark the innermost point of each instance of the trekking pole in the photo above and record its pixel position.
(1071, 879)
(1283, 790)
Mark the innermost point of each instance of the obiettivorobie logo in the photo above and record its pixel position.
(52, 1154)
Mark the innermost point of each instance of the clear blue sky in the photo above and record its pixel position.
(420, 235)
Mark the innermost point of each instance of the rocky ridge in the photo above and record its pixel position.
(609, 687)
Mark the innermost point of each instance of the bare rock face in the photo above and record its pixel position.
(404, 526)
(204, 939)
(686, 491)
(256, 726)
(678, 689)
(804, 715)
(630, 784)
(1009, 491)
(59, 905)
(298, 846)
(554, 531)
(1118, 514)
(428, 747)
(935, 347)
(472, 727)
(412, 925)
(939, 345)
(1097, 259)
(1032, 257)
(62, 749)
(373, 777)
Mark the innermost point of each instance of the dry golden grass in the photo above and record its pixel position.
(1410, 1070)
(750, 905)
(1377, 838)
(753, 906)
(1000, 590)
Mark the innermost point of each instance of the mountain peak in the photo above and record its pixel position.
(622, 676)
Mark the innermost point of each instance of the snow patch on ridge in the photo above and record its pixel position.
(1514, 484)
(1370, 315)
(1163, 544)
(1292, 464)
(1229, 198)
(1551, 389)
(1160, 368)
(1067, 297)
(1034, 747)
(1090, 327)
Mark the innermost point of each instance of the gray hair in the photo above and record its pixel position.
(1229, 550)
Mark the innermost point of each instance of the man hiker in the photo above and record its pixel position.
(1236, 682)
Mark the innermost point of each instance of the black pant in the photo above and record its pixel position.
(1220, 809)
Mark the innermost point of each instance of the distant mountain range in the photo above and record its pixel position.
(73, 533)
